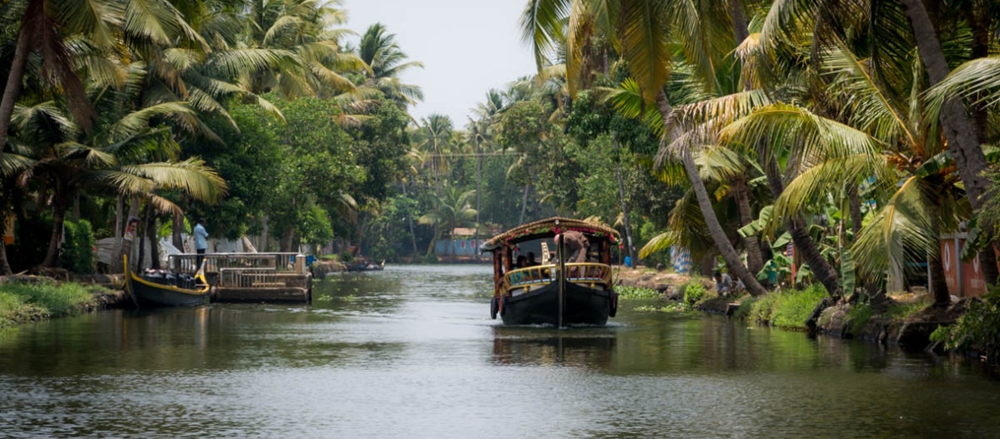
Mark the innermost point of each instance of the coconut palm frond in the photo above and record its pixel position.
(646, 46)
(542, 27)
(163, 205)
(192, 175)
(902, 231)
(868, 106)
(783, 126)
(13, 164)
(829, 176)
(659, 243)
(977, 80)
(90, 155)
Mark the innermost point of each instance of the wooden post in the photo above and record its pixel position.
(561, 252)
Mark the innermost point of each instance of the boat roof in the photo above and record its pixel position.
(548, 228)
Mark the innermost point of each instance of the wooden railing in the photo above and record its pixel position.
(249, 278)
(217, 262)
(585, 273)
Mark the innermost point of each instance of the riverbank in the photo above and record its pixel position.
(907, 319)
(26, 299)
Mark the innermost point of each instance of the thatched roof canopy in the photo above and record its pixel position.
(548, 228)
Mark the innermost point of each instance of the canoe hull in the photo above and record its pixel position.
(150, 294)
(540, 306)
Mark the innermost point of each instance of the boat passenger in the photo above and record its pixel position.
(531, 260)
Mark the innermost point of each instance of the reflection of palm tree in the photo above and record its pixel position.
(451, 209)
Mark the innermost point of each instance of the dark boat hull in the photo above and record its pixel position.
(584, 306)
(150, 294)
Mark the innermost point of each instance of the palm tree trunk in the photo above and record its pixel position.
(177, 231)
(855, 207)
(265, 233)
(286, 239)
(797, 227)
(409, 222)
(59, 206)
(154, 243)
(524, 203)
(963, 143)
(479, 177)
(755, 259)
(141, 237)
(621, 198)
(9, 98)
(434, 240)
(722, 243)
(4, 263)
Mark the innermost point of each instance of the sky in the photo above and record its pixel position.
(467, 47)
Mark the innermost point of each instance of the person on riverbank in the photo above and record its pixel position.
(200, 242)
(723, 283)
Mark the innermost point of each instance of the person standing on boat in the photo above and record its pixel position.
(200, 242)
(576, 245)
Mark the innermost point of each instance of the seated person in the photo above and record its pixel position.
(516, 277)
(723, 283)
(531, 260)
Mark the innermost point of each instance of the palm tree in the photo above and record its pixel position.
(43, 28)
(645, 32)
(386, 62)
(451, 209)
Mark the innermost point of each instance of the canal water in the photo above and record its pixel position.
(411, 352)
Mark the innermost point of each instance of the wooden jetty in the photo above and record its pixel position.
(251, 277)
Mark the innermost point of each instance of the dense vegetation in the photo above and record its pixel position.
(859, 133)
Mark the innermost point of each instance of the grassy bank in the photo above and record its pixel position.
(26, 302)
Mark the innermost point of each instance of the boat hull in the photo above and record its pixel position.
(151, 294)
(540, 306)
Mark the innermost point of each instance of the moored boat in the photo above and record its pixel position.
(161, 290)
(578, 291)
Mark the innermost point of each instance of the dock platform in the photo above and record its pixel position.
(251, 277)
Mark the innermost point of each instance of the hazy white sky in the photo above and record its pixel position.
(467, 47)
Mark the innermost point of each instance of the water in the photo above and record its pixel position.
(411, 352)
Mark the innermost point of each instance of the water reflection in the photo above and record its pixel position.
(411, 352)
(575, 347)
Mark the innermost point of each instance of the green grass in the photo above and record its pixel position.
(20, 303)
(788, 309)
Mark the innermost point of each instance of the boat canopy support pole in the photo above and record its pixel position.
(561, 249)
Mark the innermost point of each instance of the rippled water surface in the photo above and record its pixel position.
(411, 352)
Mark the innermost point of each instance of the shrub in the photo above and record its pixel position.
(746, 306)
(694, 292)
(978, 329)
(77, 253)
(788, 309)
(859, 315)
(795, 307)
(762, 309)
(628, 293)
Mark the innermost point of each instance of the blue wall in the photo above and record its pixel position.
(463, 247)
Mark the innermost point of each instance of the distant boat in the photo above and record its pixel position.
(366, 266)
(531, 295)
(162, 290)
